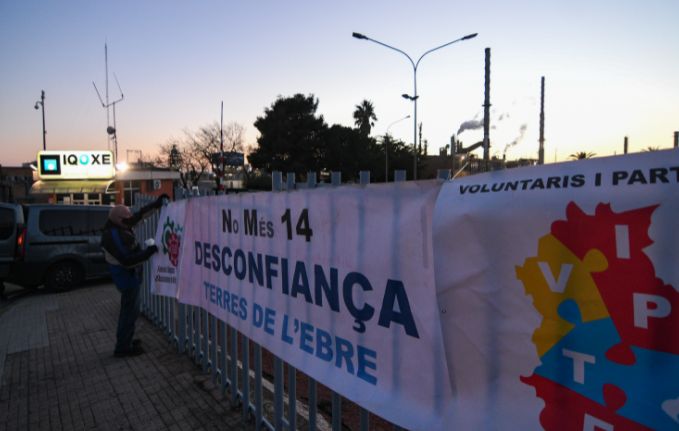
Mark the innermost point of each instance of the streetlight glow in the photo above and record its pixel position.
(414, 97)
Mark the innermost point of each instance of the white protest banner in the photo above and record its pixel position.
(337, 282)
(165, 265)
(559, 293)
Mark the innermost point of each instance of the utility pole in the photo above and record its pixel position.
(541, 150)
(110, 130)
(41, 102)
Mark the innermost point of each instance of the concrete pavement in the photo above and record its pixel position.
(57, 371)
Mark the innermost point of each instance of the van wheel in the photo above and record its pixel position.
(63, 276)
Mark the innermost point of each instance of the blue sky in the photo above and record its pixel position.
(611, 69)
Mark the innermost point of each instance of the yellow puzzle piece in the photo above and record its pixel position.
(554, 276)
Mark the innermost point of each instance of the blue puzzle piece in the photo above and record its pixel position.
(581, 355)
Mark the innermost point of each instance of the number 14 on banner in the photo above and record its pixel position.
(302, 229)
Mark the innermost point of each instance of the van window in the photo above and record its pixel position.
(6, 222)
(63, 223)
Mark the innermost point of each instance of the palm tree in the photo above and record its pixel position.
(364, 117)
(582, 155)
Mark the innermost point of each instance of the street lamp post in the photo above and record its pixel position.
(386, 148)
(414, 97)
(41, 102)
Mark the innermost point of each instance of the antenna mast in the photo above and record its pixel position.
(110, 131)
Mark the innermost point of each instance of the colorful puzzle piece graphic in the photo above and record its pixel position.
(568, 410)
(554, 276)
(609, 354)
(580, 363)
(639, 303)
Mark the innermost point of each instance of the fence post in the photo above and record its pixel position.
(399, 175)
(336, 178)
(311, 180)
(223, 373)
(258, 386)
(214, 344)
(195, 318)
(276, 181)
(443, 174)
(313, 403)
(290, 181)
(336, 412)
(246, 377)
(292, 397)
(278, 393)
(181, 339)
(364, 177)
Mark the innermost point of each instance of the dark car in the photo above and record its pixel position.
(12, 236)
(61, 246)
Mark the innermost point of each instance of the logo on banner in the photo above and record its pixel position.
(172, 240)
(608, 340)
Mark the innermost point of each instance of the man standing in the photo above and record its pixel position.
(124, 255)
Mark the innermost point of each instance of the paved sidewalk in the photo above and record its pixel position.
(57, 371)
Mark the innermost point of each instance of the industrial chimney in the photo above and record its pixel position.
(486, 113)
(541, 150)
(676, 139)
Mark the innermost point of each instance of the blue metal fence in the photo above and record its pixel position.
(214, 346)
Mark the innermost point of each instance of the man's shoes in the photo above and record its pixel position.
(135, 350)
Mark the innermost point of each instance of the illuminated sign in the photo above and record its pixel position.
(75, 165)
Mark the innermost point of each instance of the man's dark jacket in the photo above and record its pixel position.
(121, 249)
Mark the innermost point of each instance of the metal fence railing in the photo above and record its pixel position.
(255, 380)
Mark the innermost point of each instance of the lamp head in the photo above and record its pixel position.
(470, 36)
(358, 35)
(36, 105)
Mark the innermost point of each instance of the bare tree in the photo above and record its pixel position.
(195, 152)
(190, 163)
(234, 137)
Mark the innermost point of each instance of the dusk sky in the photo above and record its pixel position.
(611, 70)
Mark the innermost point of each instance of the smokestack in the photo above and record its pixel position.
(453, 151)
(486, 113)
(676, 139)
(541, 150)
(625, 147)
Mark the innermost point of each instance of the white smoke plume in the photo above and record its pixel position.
(470, 125)
(518, 139)
(475, 123)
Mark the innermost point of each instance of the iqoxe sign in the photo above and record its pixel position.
(75, 165)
